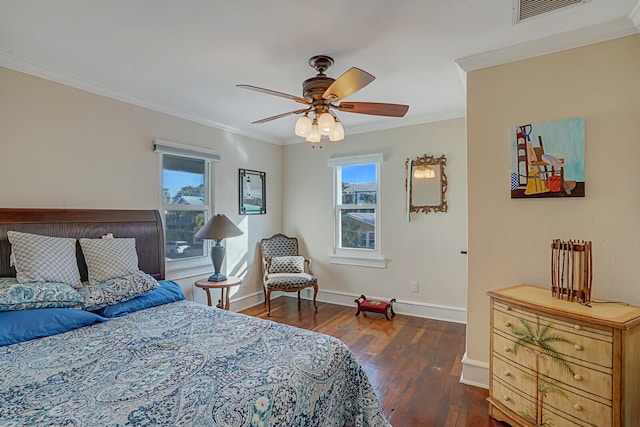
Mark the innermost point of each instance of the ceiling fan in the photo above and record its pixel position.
(320, 95)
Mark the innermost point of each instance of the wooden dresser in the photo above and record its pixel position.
(558, 363)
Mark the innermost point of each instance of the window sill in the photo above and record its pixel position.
(359, 261)
(182, 270)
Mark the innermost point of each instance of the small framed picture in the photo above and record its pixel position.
(252, 187)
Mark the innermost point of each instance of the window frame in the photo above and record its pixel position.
(355, 256)
(197, 264)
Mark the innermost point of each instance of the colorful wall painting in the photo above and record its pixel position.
(547, 159)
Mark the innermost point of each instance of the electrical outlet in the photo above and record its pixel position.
(415, 286)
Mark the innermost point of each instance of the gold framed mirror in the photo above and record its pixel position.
(426, 184)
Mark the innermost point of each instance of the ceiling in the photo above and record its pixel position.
(185, 57)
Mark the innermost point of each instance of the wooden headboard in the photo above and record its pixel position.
(144, 225)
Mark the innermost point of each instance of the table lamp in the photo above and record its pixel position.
(217, 228)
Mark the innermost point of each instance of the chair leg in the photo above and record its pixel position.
(269, 302)
(264, 291)
(315, 294)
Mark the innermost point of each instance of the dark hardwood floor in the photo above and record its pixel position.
(414, 364)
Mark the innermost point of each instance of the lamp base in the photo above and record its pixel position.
(217, 277)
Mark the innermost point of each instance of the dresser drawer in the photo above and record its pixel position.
(519, 404)
(511, 398)
(583, 344)
(586, 379)
(575, 406)
(513, 375)
(583, 328)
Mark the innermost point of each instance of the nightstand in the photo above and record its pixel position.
(224, 287)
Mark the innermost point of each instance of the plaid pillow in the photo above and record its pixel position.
(109, 258)
(287, 264)
(44, 258)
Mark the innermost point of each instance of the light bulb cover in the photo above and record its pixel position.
(314, 135)
(303, 126)
(326, 123)
(338, 133)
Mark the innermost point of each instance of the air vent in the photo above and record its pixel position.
(525, 9)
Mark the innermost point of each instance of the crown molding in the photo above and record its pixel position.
(559, 42)
(46, 72)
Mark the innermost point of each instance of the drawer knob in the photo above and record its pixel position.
(578, 347)
(577, 327)
(508, 324)
(507, 349)
(577, 377)
(577, 407)
(507, 399)
(507, 373)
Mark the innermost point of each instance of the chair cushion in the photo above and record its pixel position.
(290, 281)
(287, 264)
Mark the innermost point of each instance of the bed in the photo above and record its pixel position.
(169, 363)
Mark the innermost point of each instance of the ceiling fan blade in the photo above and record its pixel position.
(374, 108)
(349, 82)
(276, 93)
(279, 116)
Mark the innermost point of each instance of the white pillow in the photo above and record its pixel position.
(109, 258)
(287, 264)
(44, 258)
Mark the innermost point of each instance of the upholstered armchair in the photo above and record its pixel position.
(284, 269)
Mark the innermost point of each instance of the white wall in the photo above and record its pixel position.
(65, 148)
(509, 240)
(426, 250)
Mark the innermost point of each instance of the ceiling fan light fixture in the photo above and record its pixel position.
(314, 135)
(303, 126)
(326, 123)
(319, 94)
(338, 132)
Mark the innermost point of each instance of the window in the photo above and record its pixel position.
(185, 195)
(185, 190)
(356, 206)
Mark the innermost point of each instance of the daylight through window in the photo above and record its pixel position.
(357, 201)
(185, 199)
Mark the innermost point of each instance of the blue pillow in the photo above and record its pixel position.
(167, 292)
(25, 325)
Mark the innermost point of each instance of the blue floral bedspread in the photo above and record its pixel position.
(184, 364)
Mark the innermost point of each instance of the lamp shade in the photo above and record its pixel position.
(218, 227)
(338, 133)
(326, 123)
(303, 126)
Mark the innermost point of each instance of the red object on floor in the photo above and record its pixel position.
(376, 306)
(555, 183)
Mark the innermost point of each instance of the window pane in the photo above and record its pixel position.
(359, 184)
(180, 227)
(183, 180)
(358, 228)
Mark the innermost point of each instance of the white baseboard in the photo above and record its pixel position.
(410, 308)
(247, 301)
(474, 372)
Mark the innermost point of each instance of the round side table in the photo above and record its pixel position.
(224, 287)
